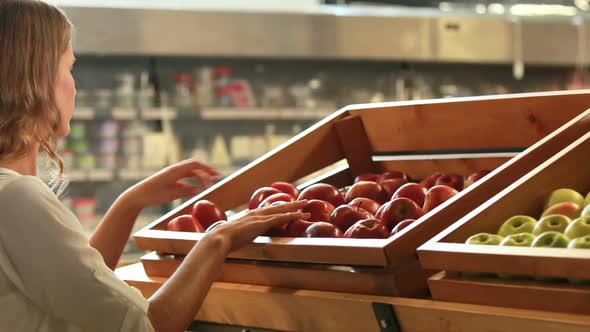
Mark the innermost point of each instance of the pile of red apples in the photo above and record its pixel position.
(376, 206)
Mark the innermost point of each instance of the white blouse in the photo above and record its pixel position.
(51, 279)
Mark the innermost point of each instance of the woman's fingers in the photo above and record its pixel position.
(187, 169)
(194, 164)
(282, 208)
(189, 190)
(203, 177)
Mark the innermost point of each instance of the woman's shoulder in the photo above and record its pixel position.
(14, 184)
(25, 191)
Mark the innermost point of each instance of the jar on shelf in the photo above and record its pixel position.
(77, 130)
(184, 82)
(223, 86)
(108, 129)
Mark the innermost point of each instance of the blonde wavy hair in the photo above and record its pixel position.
(33, 36)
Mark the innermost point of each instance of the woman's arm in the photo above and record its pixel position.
(114, 230)
(174, 306)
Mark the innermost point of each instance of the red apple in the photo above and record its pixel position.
(280, 197)
(368, 177)
(394, 175)
(451, 180)
(413, 191)
(323, 229)
(398, 210)
(438, 195)
(476, 176)
(286, 188)
(319, 210)
(207, 213)
(430, 181)
(367, 229)
(392, 185)
(323, 192)
(345, 216)
(402, 224)
(185, 223)
(365, 203)
(260, 194)
(297, 228)
(367, 189)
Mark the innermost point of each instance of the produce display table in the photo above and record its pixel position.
(359, 284)
(284, 309)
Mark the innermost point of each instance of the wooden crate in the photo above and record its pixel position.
(284, 309)
(525, 294)
(458, 135)
(398, 281)
(526, 196)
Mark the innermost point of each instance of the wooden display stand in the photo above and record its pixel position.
(281, 309)
(526, 196)
(420, 138)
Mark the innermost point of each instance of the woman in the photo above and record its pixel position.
(52, 277)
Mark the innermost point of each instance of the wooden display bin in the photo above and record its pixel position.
(420, 138)
(566, 169)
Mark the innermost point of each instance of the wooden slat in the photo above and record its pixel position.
(303, 310)
(408, 280)
(513, 294)
(419, 169)
(355, 145)
(469, 123)
(525, 196)
(308, 250)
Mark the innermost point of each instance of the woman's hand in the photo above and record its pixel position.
(242, 231)
(166, 185)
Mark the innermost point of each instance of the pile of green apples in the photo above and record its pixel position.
(564, 223)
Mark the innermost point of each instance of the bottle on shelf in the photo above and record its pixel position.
(125, 91)
(146, 94)
(184, 98)
(204, 87)
(223, 86)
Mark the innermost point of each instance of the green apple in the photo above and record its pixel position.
(582, 242)
(552, 223)
(551, 240)
(587, 200)
(586, 211)
(517, 224)
(485, 238)
(578, 228)
(570, 209)
(564, 195)
(518, 240)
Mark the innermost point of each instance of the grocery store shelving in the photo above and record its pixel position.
(88, 113)
(106, 175)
